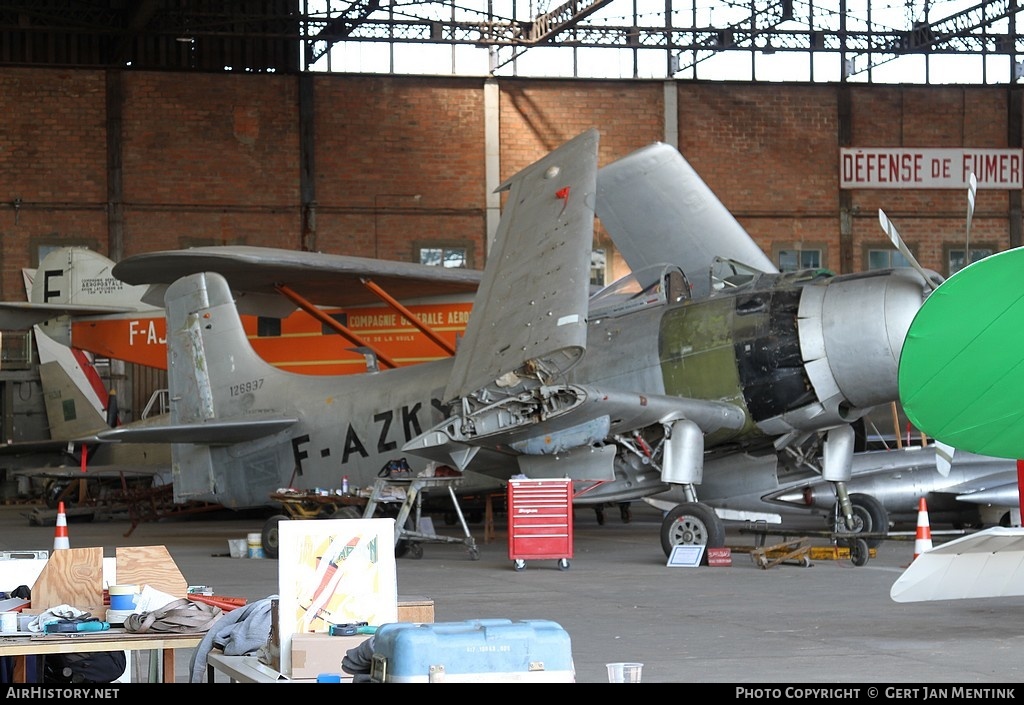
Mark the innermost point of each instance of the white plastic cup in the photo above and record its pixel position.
(8, 622)
(624, 672)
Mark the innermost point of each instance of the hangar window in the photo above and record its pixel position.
(444, 256)
(886, 258)
(956, 258)
(795, 260)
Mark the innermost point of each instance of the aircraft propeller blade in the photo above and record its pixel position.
(943, 458)
(897, 241)
(972, 194)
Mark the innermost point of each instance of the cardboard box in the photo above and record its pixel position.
(415, 609)
(313, 654)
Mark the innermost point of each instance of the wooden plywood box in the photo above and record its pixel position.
(415, 609)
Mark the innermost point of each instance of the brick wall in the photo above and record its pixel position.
(216, 159)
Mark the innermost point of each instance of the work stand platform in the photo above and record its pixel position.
(409, 524)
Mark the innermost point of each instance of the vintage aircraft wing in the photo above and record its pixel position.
(535, 310)
(657, 209)
(960, 371)
(319, 277)
(988, 563)
(529, 327)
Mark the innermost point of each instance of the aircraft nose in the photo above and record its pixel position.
(852, 332)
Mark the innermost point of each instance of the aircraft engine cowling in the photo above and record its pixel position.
(847, 332)
(852, 332)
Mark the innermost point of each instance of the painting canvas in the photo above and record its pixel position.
(334, 571)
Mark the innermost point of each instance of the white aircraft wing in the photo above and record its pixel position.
(323, 279)
(654, 197)
(988, 563)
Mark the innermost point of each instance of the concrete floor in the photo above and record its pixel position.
(831, 622)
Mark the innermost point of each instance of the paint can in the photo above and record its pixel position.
(122, 597)
(255, 545)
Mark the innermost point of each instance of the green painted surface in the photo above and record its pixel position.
(961, 375)
(698, 359)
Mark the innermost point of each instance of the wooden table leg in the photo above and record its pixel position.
(488, 519)
(168, 665)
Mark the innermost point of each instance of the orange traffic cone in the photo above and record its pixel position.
(923, 540)
(60, 535)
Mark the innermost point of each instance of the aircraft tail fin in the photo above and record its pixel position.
(76, 398)
(205, 342)
(81, 281)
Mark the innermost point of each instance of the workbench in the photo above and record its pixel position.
(23, 645)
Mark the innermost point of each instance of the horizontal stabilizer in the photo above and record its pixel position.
(988, 563)
(17, 315)
(209, 432)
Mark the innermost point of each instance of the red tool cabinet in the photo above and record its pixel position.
(540, 521)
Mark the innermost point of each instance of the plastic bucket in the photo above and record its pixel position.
(8, 622)
(255, 542)
(238, 548)
(122, 597)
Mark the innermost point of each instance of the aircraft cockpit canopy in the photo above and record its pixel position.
(656, 285)
(729, 274)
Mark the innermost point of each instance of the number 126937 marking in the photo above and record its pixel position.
(246, 387)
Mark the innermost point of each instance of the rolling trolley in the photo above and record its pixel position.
(540, 521)
(410, 491)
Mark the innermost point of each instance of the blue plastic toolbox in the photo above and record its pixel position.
(474, 651)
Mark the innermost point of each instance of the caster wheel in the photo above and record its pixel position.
(519, 564)
(415, 550)
(860, 552)
(563, 564)
(474, 554)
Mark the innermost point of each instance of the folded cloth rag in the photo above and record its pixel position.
(55, 613)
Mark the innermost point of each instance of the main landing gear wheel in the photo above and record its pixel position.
(269, 538)
(692, 524)
(869, 517)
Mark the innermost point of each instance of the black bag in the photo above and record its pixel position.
(93, 667)
(396, 468)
